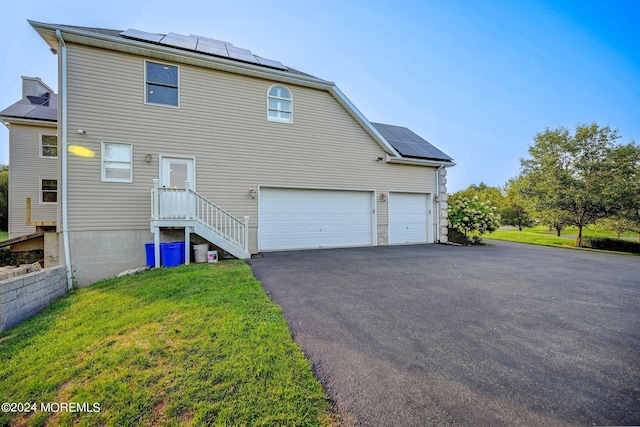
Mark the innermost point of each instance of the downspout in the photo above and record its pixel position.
(64, 154)
(438, 202)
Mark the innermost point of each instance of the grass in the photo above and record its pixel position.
(4, 235)
(542, 236)
(191, 345)
(530, 236)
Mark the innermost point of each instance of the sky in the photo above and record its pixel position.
(476, 78)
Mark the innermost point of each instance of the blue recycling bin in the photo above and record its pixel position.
(170, 254)
(151, 256)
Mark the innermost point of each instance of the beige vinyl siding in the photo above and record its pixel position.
(222, 121)
(26, 169)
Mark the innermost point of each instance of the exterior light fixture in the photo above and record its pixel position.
(379, 159)
(81, 131)
(148, 157)
(383, 197)
(253, 193)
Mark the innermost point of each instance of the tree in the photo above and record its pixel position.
(572, 174)
(516, 208)
(4, 197)
(625, 188)
(556, 219)
(484, 193)
(470, 215)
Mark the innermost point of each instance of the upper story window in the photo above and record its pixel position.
(49, 146)
(161, 84)
(116, 162)
(279, 104)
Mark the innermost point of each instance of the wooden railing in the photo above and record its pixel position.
(185, 204)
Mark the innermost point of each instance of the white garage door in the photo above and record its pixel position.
(408, 218)
(301, 218)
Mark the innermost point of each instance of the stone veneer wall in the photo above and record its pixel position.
(25, 296)
(442, 202)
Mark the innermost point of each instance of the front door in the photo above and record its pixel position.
(174, 171)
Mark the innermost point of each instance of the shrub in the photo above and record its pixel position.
(611, 244)
(469, 215)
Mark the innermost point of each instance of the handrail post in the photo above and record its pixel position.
(245, 244)
(188, 194)
(155, 199)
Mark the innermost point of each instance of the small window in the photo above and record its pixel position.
(161, 84)
(49, 146)
(116, 162)
(48, 191)
(279, 104)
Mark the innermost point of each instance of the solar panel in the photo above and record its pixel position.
(409, 143)
(209, 40)
(142, 35)
(213, 50)
(178, 40)
(203, 45)
(214, 47)
(271, 63)
(241, 54)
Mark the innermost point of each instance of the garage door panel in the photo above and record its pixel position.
(304, 218)
(408, 218)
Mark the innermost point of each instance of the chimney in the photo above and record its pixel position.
(33, 86)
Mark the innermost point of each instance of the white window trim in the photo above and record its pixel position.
(103, 178)
(146, 61)
(42, 202)
(40, 146)
(290, 100)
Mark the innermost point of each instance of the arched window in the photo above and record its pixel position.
(279, 108)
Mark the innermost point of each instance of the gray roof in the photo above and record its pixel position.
(409, 144)
(44, 107)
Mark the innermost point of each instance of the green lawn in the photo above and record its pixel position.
(530, 236)
(191, 345)
(542, 236)
(4, 235)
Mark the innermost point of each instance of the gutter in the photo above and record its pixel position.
(64, 155)
(8, 120)
(419, 162)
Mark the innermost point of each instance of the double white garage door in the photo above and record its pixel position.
(292, 218)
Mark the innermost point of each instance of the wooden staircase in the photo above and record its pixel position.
(184, 208)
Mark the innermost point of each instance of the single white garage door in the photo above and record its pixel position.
(409, 218)
(291, 218)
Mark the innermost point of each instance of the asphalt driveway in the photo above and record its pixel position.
(510, 334)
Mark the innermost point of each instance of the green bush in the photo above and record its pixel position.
(611, 244)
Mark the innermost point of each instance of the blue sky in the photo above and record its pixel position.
(478, 79)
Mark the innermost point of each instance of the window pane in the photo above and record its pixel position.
(279, 105)
(117, 152)
(177, 174)
(162, 95)
(49, 197)
(49, 140)
(48, 151)
(163, 74)
(50, 184)
(280, 92)
(113, 170)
